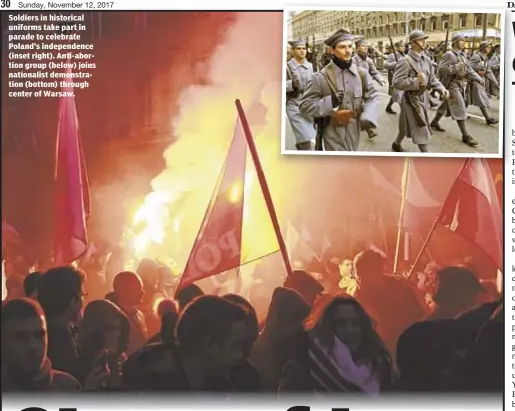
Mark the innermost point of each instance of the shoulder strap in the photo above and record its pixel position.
(363, 81)
(409, 59)
(289, 74)
(330, 78)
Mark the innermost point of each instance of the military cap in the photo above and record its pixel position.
(417, 35)
(339, 36)
(297, 43)
(457, 36)
(399, 44)
(484, 44)
(360, 42)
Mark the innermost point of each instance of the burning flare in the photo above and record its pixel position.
(247, 65)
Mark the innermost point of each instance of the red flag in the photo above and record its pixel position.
(72, 196)
(217, 247)
(418, 207)
(472, 210)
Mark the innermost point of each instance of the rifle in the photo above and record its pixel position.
(308, 54)
(314, 58)
(446, 37)
(390, 72)
(393, 50)
(320, 124)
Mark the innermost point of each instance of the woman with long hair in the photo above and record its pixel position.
(103, 340)
(343, 352)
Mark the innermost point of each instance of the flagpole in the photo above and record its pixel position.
(404, 188)
(264, 186)
(426, 242)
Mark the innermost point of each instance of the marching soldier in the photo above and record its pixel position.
(362, 59)
(342, 97)
(478, 91)
(289, 54)
(454, 69)
(495, 66)
(414, 75)
(298, 74)
(394, 58)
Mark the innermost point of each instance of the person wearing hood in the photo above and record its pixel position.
(343, 96)
(103, 340)
(281, 337)
(305, 284)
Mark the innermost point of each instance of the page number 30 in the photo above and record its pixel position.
(5, 4)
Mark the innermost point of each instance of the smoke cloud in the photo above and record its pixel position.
(247, 66)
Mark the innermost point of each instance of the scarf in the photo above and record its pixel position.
(349, 285)
(334, 370)
(344, 65)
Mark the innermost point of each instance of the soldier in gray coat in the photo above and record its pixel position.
(414, 76)
(454, 69)
(363, 60)
(477, 91)
(495, 66)
(298, 74)
(393, 59)
(342, 96)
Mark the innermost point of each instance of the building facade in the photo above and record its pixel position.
(289, 30)
(377, 27)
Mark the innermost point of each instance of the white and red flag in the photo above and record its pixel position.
(72, 195)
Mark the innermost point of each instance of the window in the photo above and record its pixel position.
(463, 22)
(445, 24)
(433, 25)
(478, 20)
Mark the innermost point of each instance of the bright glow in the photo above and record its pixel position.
(166, 224)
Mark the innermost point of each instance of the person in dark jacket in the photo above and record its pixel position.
(211, 334)
(25, 364)
(61, 294)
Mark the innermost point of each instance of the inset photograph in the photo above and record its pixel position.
(393, 83)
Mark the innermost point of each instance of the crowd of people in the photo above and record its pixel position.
(361, 332)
